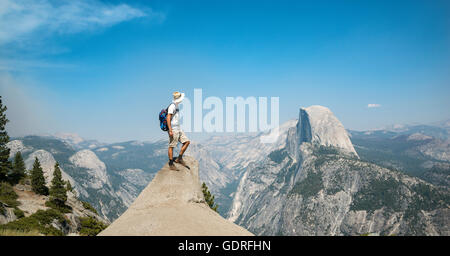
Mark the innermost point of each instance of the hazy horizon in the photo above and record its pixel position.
(201, 137)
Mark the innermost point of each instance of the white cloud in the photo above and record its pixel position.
(372, 105)
(21, 20)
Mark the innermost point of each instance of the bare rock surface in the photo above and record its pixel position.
(173, 205)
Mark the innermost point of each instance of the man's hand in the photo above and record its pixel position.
(170, 133)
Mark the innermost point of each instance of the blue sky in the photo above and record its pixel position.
(104, 69)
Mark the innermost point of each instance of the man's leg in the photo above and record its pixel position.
(170, 153)
(183, 148)
(180, 156)
(185, 141)
(172, 143)
(171, 164)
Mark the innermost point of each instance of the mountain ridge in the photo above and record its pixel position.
(320, 187)
(228, 161)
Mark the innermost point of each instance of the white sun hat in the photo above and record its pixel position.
(178, 97)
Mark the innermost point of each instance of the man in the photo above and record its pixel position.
(175, 133)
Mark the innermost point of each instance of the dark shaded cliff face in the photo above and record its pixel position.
(303, 128)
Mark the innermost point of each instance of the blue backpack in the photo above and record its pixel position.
(163, 118)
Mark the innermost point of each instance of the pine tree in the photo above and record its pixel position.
(58, 191)
(37, 179)
(5, 164)
(18, 170)
(69, 186)
(208, 197)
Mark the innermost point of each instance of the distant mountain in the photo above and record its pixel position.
(439, 130)
(320, 187)
(317, 178)
(110, 189)
(76, 141)
(318, 125)
(415, 150)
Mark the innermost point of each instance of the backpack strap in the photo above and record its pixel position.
(176, 109)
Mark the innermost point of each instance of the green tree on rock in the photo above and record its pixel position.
(5, 164)
(37, 179)
(209, 198)
(58, 190)
(18, 170)
(69, 186)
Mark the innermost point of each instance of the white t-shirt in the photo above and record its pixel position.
(173, 110)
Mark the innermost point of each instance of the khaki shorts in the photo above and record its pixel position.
(178, 136)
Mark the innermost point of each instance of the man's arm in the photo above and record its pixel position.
(169, 124)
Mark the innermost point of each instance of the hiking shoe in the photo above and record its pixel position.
(179, 160)
(172, 166)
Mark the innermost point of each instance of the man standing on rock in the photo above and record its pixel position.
(175, 133)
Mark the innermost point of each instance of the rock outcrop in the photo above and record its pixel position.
(173, 205)
(95, 167)
(318, 125)
(47, 162)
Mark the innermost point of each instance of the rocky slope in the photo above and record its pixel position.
(320, 187)
(34, 207)
(173, 204)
